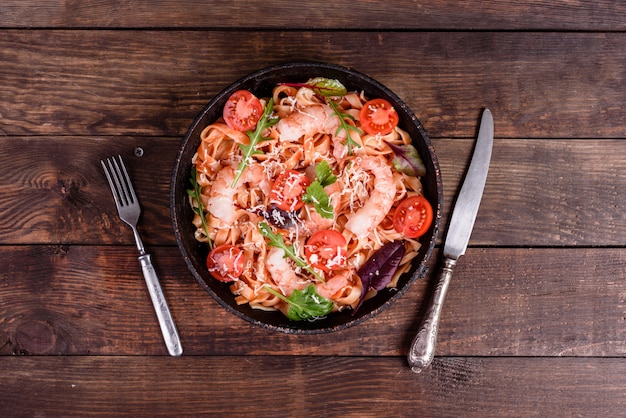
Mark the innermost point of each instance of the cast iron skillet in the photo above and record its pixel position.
(261, 83)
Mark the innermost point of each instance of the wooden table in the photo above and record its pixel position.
(535, 319)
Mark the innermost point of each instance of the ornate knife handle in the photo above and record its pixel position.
(423, 347)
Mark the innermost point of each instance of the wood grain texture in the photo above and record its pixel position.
(556, 192)
(534, 323)
(93, 300)
(339, 14)
(539, 85)
(304, 386)
(53, 190)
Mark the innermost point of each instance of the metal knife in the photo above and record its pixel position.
(459, 230)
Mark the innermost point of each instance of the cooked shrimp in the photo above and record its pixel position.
(256, 175)
(340, 149)
(221, 202)
(316, 119)
(316, 222)
(281, 271)
(380, 201)
(340, 288)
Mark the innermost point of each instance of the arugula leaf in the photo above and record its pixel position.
(379, 269)
(305, 304)
(195, 192)
(315, 192)
(327, 87)
(255, 138)
(276, 240)
(407, 160)
(344, 126)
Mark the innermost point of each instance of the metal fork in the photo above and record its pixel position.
(129, 210)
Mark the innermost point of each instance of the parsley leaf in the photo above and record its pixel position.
(276, 240)
(255, 138)
(195, 192)
(305, 304)
(315, 192)
(324, 174)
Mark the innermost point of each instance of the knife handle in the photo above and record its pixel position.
(423, 347)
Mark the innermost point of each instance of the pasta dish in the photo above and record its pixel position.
(310, 200)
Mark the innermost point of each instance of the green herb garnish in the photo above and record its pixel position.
(256, 137)
(344, 126)
(327, 88)
(195, 193)
(276, 240)
(315, 192)
(304, 304)
(324, 174)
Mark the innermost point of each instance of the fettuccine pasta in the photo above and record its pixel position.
(363, 198)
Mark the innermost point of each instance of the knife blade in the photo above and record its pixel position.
(460, 228)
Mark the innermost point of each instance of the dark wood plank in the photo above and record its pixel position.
(305, 386)
(280, 14)
(502, 302)
(538, 193)
(538, 84)
(53, 190)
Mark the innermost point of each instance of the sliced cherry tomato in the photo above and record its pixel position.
(413, 216)
(288, 189)
(378, 117)
(326, 250)
(225, 263)
(242, 110)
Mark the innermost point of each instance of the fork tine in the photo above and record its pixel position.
(116, 179)
(119, 181)
(123, 181)
(108, 172)
(129, 189)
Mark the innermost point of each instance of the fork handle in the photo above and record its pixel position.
(168, 328)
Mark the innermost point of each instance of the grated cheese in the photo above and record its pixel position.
(356, 185)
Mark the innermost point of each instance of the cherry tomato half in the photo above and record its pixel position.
(225, 263)
(288, 189)
(413, 216)
(326, 250)
(242, 110)
(378, 117)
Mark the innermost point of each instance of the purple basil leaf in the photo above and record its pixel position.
(407, 160)
(378, 271)
(276, 216)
